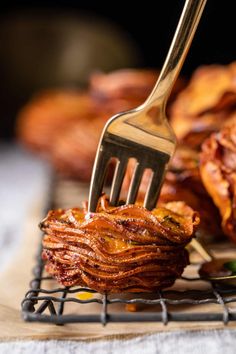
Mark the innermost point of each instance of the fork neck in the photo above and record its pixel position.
(181, 42)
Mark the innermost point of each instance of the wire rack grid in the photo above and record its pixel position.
(191, 300)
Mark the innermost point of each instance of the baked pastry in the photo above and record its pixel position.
(218, 172)
(122, 84)
(183, 182)
(65, 125)
(48, 114)
(118, 249)
(203, 106)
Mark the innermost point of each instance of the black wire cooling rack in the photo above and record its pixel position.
(191, 299)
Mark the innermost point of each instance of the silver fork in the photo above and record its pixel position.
(144, 133)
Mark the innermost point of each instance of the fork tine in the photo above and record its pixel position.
(97, 180)
(154, 188)
(117, 180)
(134, 184)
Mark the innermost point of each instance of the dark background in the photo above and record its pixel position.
(148, 29)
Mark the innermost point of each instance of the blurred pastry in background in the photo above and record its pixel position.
(203, 106)
(74, 149)
(133, 85)
(183, 182)
(123, 84)
(65, 125)
(218, 172)
(48, 114)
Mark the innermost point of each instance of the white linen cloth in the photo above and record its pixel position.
(21, 175)
(207, 342)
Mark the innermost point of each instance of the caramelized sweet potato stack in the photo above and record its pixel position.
(205, 104)
(218, 172)
(121, 249)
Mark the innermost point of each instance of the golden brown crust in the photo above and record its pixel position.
(218, 172)
(203, 106)
(127, 248)
(208, 89)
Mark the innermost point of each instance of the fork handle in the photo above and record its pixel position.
(184, 33)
